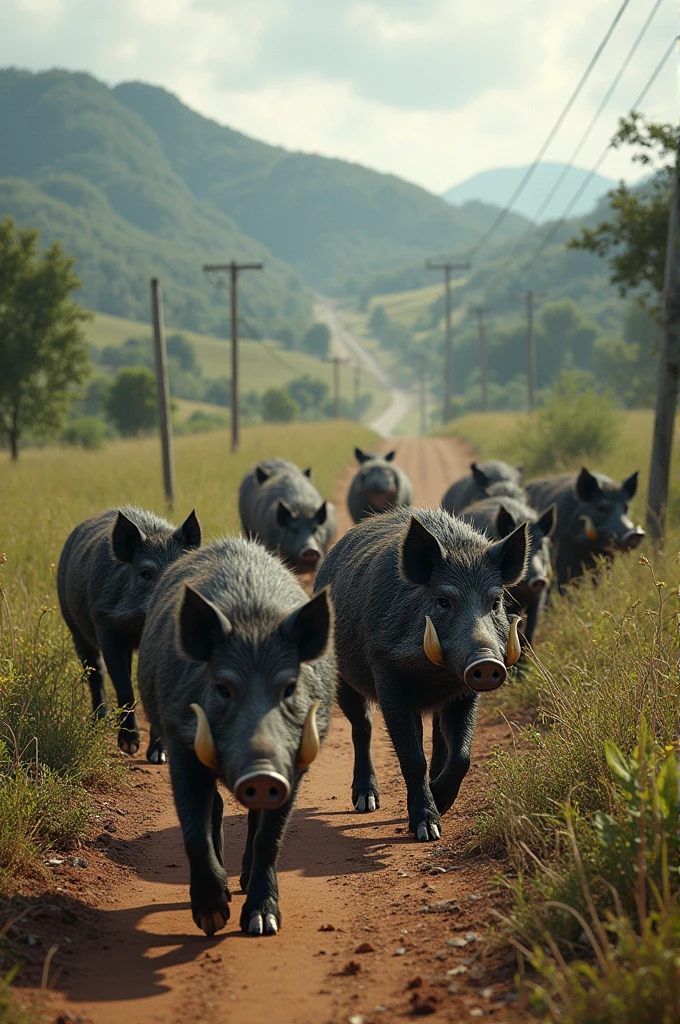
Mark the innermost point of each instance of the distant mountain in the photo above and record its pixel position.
(497, 186)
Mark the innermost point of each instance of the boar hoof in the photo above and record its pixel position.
(155, 753)
(264, 920)
(211, 921)
(427, 830)
(128, 741)
(366, 800)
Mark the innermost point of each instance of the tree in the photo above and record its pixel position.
(132, 403)
(634, 240)
(279, 407)
(309, 393)
(43, 350)
(317, 340)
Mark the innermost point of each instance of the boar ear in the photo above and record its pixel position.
(587, 486)
(320, 514)
(389, 456)
(261, 474)
(126, 538)
(505, 521)
(307, 472)
(479, 475)
(309, 627)
(510, 555)
(421, 552)
(201, 625)
(189, 533)
(629, 485)
(360, 456)
(283, 514)
(547, 521)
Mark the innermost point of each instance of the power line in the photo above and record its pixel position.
(556, 127)
(596, 166)
(605, 100)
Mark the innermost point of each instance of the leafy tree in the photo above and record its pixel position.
(317, 340)
(132, 404)
(633, 240)
(181, 348)
(279, 407)
(43, 351)
(309, 393)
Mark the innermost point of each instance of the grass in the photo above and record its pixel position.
(262, 365)
(51, 756)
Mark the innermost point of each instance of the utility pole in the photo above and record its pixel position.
(482, 359)
(336, 360)
(422, 394)
(357, 389)
(163, 386)
(234, 270)
(669, 371)
(447, 266)
(531, 346)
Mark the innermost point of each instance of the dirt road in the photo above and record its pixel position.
(128, 949)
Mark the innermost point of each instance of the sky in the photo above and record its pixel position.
(431, 90)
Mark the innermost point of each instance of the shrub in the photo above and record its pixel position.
(279, 407)
(85, 432)
(575, 424)
(317, 341)
(131, 403)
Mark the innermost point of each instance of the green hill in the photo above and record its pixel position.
(82, 167)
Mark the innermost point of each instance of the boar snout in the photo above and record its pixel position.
(261, 788)
(485, 673)
(538, 583)
(310, 556)
(632, 539)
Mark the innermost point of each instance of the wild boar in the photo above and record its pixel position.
(476, 486)
(378, 486)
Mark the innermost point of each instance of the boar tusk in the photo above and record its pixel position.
(431, 645)
(309, 746)
(204, 746)
(514, 649)
(590, 531)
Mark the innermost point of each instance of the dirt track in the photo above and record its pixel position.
(130, 952)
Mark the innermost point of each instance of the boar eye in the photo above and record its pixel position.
(224, 691)
(443, 602)
(496, 604)
(290, 690)
(147, 575)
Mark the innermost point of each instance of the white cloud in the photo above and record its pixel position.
(431, 90)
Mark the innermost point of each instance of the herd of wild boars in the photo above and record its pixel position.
(413, 609)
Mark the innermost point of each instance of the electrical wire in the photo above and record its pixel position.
(490, 232)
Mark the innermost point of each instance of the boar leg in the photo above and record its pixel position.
(457, 725)
(200, 817)
(93, 663)
(405, 727)
(365, 791)
(247, 862)
(118, 657)
(534, 612)
(439, 748)
(260, 914)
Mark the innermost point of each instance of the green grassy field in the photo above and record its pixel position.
(44, 801)
(263, 364)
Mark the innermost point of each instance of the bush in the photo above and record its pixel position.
(200, 421)
(279, 407)
(309, 393)
(131, 403)
(85, 432)
(317, 341)
(575, 425)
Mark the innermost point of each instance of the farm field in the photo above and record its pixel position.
(263, 364)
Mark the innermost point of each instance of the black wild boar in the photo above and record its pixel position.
(476, 486)
(378, 486)
(592, 519)
(107, 572)
(280, 506)
(498, 518)
(236, 674)
(420, 624)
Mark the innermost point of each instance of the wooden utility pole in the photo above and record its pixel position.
(234, 270)
(163, 386)
(357, 390)
(482, 359)
(669, 371)
(532, 375)
(422, 387)
(336, 360)
(447, 266)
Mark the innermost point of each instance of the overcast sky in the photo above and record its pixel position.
(431, 90)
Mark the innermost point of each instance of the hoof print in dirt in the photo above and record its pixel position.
(427, 830)
(128, 741)
(367, 801)
(263, 920)
(155, 753)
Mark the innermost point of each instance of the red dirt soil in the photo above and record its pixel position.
(358, 941)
